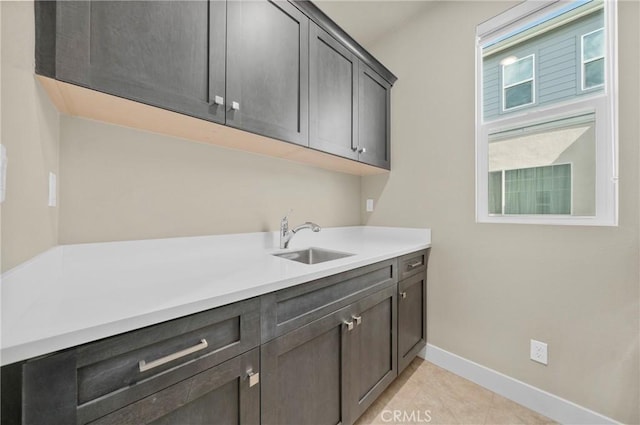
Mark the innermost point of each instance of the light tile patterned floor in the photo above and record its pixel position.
(448, 398)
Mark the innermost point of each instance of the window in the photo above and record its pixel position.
(555, 160)
(517, 82)
(593, 59)
(537, 190)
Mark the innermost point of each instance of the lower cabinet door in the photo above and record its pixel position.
(302, 378)
(223, 394)
(412, 318)
(373, 344)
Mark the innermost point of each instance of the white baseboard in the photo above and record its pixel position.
(547, 404)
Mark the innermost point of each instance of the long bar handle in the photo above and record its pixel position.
(144, 366)
(416, 264)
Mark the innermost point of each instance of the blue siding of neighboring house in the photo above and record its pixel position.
(557, 66)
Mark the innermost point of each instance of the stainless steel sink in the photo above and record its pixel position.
(312, 255)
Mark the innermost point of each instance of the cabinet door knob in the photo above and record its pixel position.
(235, 106)
(362, 150)
(349, 325)
(254, 378)
(357, 319)
(403, 295)
(218, 100)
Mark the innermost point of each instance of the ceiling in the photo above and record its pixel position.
(368, 20)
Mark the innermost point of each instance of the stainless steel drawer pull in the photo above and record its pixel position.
(403, 295)
(144, 366)
(416, 264)
(349, 325)
(358, 319)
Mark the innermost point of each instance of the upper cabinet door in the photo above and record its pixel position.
(268, 69)
(374, 119)
(166, 54)
(333, 95)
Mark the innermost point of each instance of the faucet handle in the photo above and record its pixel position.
(286, 216)
(284, 223)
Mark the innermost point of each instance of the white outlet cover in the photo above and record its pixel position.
(53, 197)
(369, 205)
(539, 352)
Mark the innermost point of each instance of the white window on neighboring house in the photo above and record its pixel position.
(546, 114)
(535, 190)
(518, 82)
(593, 59)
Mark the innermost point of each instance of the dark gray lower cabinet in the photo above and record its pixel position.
(331, 370)
(329, 348)
(412, 318)
(220, 395)
(373, 347)
(302, 379)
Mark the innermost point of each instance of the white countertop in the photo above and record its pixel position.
(74, 294)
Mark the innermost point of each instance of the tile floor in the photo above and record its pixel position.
(448, 398)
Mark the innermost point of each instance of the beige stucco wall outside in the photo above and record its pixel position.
(494, 287)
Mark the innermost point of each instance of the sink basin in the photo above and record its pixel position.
(313, 255)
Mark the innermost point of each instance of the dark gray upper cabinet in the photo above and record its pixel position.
(281, 69)
(166, 54)
(333, 95)
(267, 69)
(374, 122)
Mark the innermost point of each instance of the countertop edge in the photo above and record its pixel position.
(53, 344)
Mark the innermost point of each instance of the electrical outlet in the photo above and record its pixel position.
(539, 352)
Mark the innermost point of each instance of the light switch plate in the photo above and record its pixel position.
(53, 197)
(369, 205)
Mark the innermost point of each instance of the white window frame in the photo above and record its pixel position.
(603, 103)
(533, 84)
(503, 189)
(583, 63)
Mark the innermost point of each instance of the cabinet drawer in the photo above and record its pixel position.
(110, 373)
(217, 396)
(413, 263)
(291, 308)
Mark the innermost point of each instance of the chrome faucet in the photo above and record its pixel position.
(286, 234)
